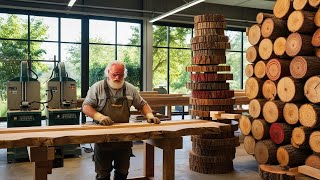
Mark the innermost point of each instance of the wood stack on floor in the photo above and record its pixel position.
(283, 126)
(212, 153)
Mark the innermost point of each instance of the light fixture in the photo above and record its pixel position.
(71, 3)
(185, 6)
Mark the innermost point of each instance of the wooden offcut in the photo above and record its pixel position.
(302, 22)
(288, 155)
(309, 115)
(291, 113)
(265, 152)
(283, 8)
(304, 66)
(290, 89)
(313, 161)
(269, 90)
(309, 171)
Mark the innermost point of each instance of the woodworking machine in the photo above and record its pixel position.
(62, 105)
(23, 106)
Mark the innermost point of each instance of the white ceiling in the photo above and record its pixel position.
(258, 4)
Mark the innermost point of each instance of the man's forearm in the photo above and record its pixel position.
(89, 110)
(147, 111)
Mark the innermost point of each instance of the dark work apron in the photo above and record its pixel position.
(118, 109)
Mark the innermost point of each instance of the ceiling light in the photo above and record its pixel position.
(185, 6)
(71, 3)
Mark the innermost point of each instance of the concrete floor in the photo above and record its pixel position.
(82, 168)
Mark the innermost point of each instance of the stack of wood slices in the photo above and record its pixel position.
(283, 126)
(211, 153)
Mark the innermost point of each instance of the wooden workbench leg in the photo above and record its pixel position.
(148, 160)
(40, 170)
(41, 157)
(168, 164)
(169, 111)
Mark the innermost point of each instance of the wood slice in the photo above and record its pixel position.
(253, 88)
(255, 107)
(309, 115)
(291, 113)
(216, 144)
(207, 86)
(245, 124)
(303, 5)
(304, 66)
(212, 94)
(260, 129)
(279, 47)
(314, 3)
(299, 44)
(300, 135)
(209, 18)
(210, 25)
(202, 151)
(210, 59)
(252, 54)
(265, 152)
(277, 172)
(207, 68)
(280, 133)
(211, 77)
(283, 8)
(314, 141)
(316, 19)
(200, 39)
(210, 52)
(226, 101)
(266, 49)
(220, 135)
(289, 156)
(254, 36)
(313, 161)
(205, 32)
(316, 38)
(249, 144)
(211, 107)
(317, 50)
(262, 16)
(289, 89)
(302, 22)
(260, 69)
(312, 89)
(210, 45)
(249, 70)
(273, 111)
(212, 168)
(272, 28)
(277, 68)
(294, 144)
(269, 90)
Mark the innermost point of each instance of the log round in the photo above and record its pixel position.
(279, 46)
(253, 87)
(265, 152)
(269, 90)
(300, 135)
(280, 133)
(289, 89)
(291, 113)
(252, 54)
(300, 4)
(316, 38)
(255, 107)
(260, 129)
(316, 19)
(266, 49)
(273, 111)
(299, 44)
(260, 69)
(249, 70)
(277, 68)
(282, 8)
(249, 144)
(254, 36)
(312, 89)
(317, 52)
(304, 66)
(313, 161)
(309, 115)
(290, 156)
(314, 141)
(272, 28)
(262, 16)
(245, 124)
(314, 3)
(301, 21)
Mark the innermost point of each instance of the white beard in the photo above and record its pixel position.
(116, 84)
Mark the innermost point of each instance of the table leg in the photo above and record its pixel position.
(148, 160)
(168, 164)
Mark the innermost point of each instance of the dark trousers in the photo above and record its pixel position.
(103, 158)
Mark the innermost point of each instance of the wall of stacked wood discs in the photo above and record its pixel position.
(284, 75)
(212, 153)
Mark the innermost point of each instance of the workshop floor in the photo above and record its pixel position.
(82, 168)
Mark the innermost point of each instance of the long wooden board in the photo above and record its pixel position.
(79, 134)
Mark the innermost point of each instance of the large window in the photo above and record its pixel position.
(114, 40)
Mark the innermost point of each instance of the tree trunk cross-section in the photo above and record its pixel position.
(254, 36)
(309, 115)
(290, 156)
(290, 89)
(253, 87)
(273, 111)
(255, 107)
(300, 135)
(291, 113)
(302, 22)
(262, 16)
(279, 47)
(299, 44)
(314, 141)
(277, 68)
(266, 49)
(273, 28)
(316, 38)
(269, 90)
(283, 8)
(252, 54)
(280, 133)
(317, 18)
(260, 69)
(313, 161)
(312, 89)
(249, 144)
(245, 124)
(265, 152)
(314, 3)
(304, 66)
(249, 70)
(260, 129)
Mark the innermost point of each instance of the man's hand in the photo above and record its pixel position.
(102, 119)
(152, 119)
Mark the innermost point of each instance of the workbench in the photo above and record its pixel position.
(167, 136)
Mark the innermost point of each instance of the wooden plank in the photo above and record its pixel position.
(231, 116)
(170, 143)
(309, 171)
(80, 134)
